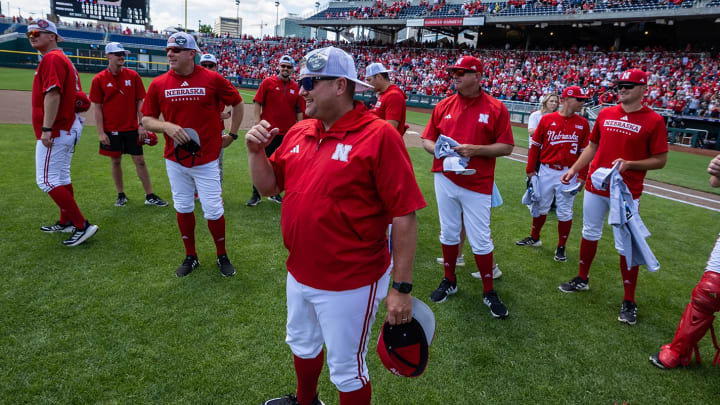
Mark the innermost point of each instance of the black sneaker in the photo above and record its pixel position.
(254, 200)
(226, 268)
(291, 400)
(121, 200)
(152, 199)
(188, 265)
(628, 313)
(529, 241)
(560, 254)
(445, 288)
(81, 235)
(276, 198)
(576, 284)
(58, 227)
(497, 308)
(655, 360)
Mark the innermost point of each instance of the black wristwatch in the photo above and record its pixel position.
(233, 136)
(46, 129)
(403, 288)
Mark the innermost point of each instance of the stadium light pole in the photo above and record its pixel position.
(185, 15)
(317, 10)
(237, 18)
(277, 11)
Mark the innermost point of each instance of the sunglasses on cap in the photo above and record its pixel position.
(36, 33)
(626, 86)
(118, 54)
(308, 83)
(208, 65)
(177, 50)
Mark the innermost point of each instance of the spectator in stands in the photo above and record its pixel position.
(548, 104)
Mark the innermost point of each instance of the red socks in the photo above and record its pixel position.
(537, 226)
(450, 252)
(217, 230)
(485, 267)
(588, 248)
(629, 278)
(357, 397)
(186, 223)
(64, 219)
(564, 231)
(307, 372)
(68, 207)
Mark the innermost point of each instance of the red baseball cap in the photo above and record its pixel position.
(404, 349)
(150, 139)
(633, 76)
(574, 91)
(467, 63)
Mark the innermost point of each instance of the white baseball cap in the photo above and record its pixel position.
(113, 47)
(375, 68)
(286, 59)
(208, 57)
(182, 40)
(45, 25)
(333, 62)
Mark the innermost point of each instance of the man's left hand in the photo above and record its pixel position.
(399, 307)
(465, 150)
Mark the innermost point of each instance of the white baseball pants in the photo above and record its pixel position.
(595, 209)
(52, 165)
(550, 186)
(713, 263)
(203, 178)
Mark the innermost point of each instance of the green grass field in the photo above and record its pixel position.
(108, 322)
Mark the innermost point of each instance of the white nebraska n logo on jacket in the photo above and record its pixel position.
(341, 152)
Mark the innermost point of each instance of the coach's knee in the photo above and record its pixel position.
(345, 375)
(184, 205)
(213, 211)
(44, 186)
(591, 233)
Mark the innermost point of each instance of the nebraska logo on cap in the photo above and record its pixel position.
(42, 24)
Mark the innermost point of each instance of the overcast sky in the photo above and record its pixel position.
(167, 13)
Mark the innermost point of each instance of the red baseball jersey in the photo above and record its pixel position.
(281, 102)
(118, 95)
(342, 188)
(558, 140)
(192, 102)
(480, 120)
(55, 71)
(390, 105)
(630, 136)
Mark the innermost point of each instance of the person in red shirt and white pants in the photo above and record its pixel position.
(57, 129)
(556, 143)
(188, 96)
(346, 174)
(481, 125)
(634, 136)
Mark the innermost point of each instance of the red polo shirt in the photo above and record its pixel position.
(55, 71)
(630, 136)
(390, 105)
(192, 102)
(281, 102)
(118, 95)
(480, 120)
(342, 188)
(558, 140)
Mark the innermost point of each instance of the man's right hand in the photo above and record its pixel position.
(176, 132)
(259, 136)
(104, 139)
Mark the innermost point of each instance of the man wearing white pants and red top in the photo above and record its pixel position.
(57, 129)
(556, 144)
(346, 174)
(188, 96)
(633, 136)
(481, 126)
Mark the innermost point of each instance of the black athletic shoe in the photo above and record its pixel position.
(497, 308)
(445, 288)
(628, 313)
(121, 200)
(226, 268)
(529, 241)
(276, 198)
(188, 265)
(291, 400)
(655, 360)
(576, 284)
(152, 199)
(58, 227)
(254, 200)
(560, 254)
(81, 235)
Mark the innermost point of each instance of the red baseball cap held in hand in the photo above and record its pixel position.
(467, 63)
(150, 139)
(82, 102)
(574, 91)
(404, 349)
(633, 76)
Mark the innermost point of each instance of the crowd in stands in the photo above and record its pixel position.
(88, 26)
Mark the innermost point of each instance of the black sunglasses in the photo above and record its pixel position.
(627, 86)
(118, 54)
(308, 83)
(582, 100)
(286, 67)
(460, 72)
(177, 50)
(208, 65)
